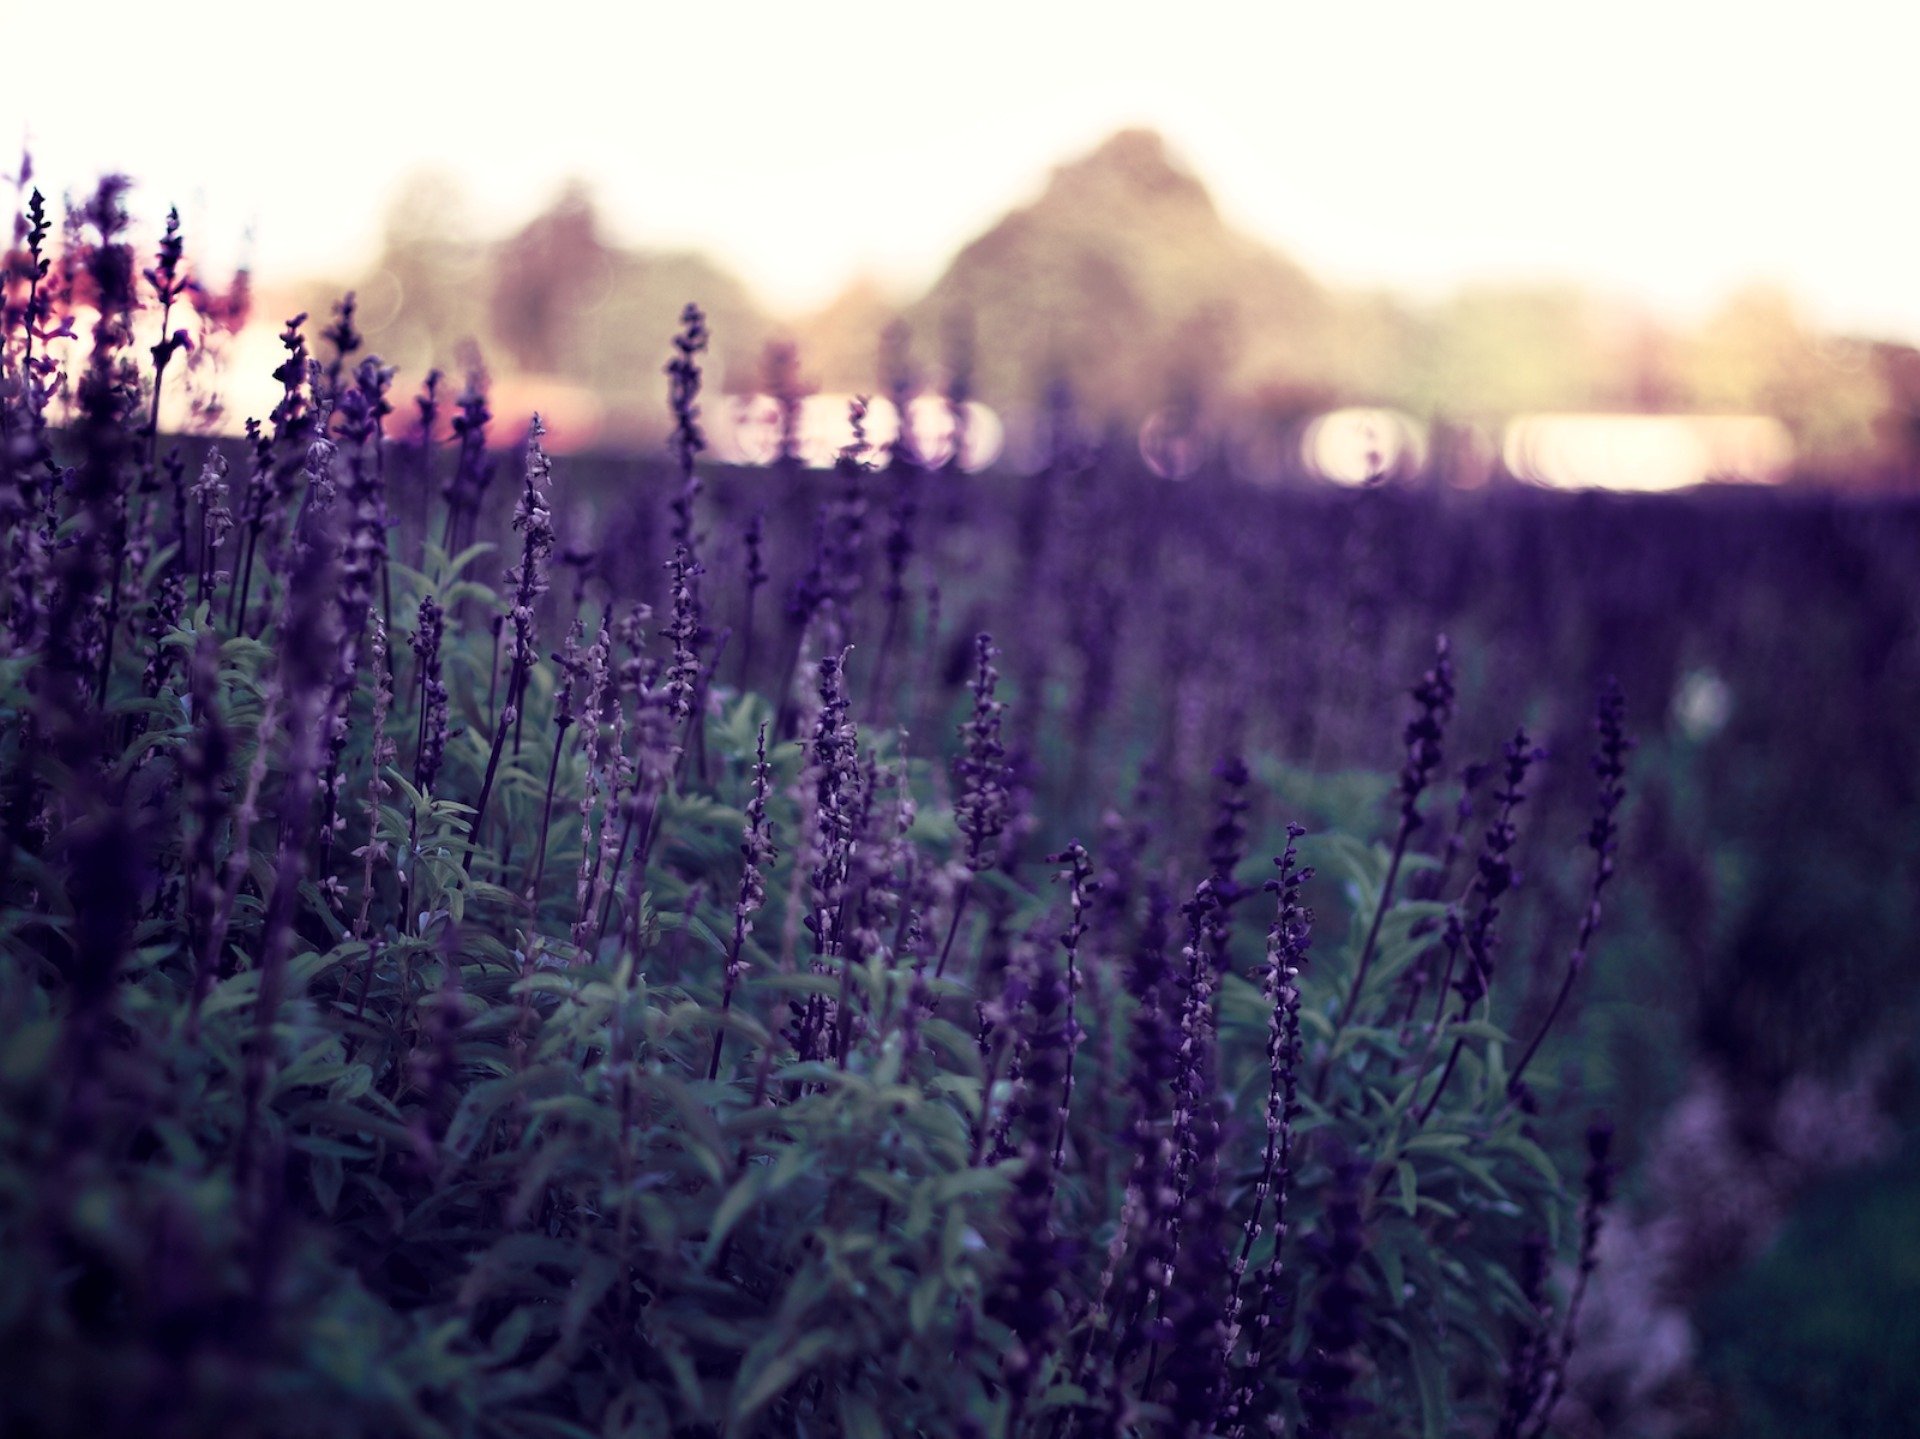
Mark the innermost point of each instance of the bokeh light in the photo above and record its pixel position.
(1646, 452)
(1353, 446)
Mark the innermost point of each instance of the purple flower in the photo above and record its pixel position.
(1495, 873)
(1288, 940)
(757, 853)
(430, 743)
(683, 630)
(683, 397)
(1433, 696)
(981, 807)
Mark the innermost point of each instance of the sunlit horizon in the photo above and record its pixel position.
(1667, 157)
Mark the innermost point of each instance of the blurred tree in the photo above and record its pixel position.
(1507, 350)
(546, 277)
(430, 256)
(1123, 277)
(1755, 354)
(1899, 367)
(839, 344)
(556, 299)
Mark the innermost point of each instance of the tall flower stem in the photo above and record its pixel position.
(1433, 696)
(960, 898)
(528, 579)
(1609, 765)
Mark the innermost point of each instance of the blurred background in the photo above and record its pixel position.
(1485, 219)
(1369, 282)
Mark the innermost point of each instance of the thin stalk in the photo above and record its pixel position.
(992, 1078)
(546, 819)
(1446, 1074)
(783, 695)
(493, 671)
(693, 735)
(843, 1029)
(1366, 955)
(237, 597)
(876, 684)
(165, 353)
(1576, 963)
(953, 928)
(613, 879)
(649, 829)
(746, 644)
(113, 601)
(1553, 1013)
(514, 684)
(726, 1007)
(238, 857)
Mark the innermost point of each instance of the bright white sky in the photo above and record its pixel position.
(1667, 150)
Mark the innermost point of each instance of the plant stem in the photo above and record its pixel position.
(953, 928)
(1366, 957)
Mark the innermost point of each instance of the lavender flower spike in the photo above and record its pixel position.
(982, 806)
(528, 580)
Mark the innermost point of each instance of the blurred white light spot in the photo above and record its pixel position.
(826, 428)
(930, 421)
(1353, 446)
(1702, 704)
(1646, 452)
(752, 433)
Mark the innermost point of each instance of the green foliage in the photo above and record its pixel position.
(493, 1192)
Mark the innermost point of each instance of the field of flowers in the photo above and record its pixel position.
(508, 946)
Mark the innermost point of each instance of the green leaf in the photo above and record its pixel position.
(890, 1187)
(732, 1208)
(765, 1376)
(354, 1081)
(919, 1216)
(927, 1295)
(950, 1187)
(476, 1111)
(25, 1052)
(1361, 865)
(466, 557)
(1484, 1029)
(858, 1418)
(1430, 1378)
(1531, 1154)
(510, 1337)
(1393, 1273)
(826, 984)
(328, 1175)
(702, 1135)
